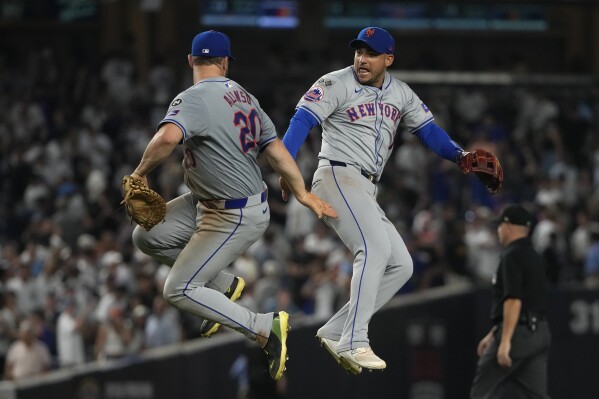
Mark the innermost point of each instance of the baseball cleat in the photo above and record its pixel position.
(363, 357)
(209, 327)
(276, 346)
(331, 347)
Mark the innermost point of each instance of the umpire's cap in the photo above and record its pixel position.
(376, 38)
(211, 44)
(515, 214)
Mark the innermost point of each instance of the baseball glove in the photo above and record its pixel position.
(144, 205)
(485, 165)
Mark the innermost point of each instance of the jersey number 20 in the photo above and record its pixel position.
(247, 124)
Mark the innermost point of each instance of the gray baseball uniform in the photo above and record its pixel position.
(224, 128)
(359, 123)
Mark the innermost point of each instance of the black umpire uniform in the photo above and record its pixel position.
(520, 371)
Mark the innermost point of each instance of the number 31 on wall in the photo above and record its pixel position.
(585, 318)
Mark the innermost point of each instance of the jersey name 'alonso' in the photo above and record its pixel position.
(224, 129)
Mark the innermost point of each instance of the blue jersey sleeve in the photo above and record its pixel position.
(438, 141)
(299, 127)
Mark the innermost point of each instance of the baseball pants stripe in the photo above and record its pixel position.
(351, 342)
(222, 236)
(358, 231)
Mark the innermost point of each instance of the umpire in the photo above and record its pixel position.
(513, 355)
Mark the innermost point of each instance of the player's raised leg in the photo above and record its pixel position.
(362, 231)
(396, 274)
(222, 237)
(166, 240)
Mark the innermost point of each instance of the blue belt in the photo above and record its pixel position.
(242, 202)
(373, 178)
(238, 202)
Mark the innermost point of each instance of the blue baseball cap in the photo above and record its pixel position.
(211, 44)
(376, 38)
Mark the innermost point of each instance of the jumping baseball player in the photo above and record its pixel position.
(223, 129)
(360, 109)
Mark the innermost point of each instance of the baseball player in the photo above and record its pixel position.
(223, 129)
(360, 109)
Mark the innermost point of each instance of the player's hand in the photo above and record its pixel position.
(484, 344)
(503, 354)
(319, 207)
(144, 179)
(285, 189)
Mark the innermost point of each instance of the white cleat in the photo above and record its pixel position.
(331, 347)
(363, 357)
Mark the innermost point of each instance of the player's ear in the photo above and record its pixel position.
(389, 60)
(225, 66)
(190, 60)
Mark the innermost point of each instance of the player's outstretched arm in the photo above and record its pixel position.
(285, 166)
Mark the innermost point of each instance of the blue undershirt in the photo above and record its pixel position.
(431, 135)
(438, 141)
(300, 125)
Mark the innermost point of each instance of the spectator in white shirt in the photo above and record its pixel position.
(69, 337)
(27, 356)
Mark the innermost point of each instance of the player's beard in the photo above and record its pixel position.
(375, 65)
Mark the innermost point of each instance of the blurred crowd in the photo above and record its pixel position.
(74, 289)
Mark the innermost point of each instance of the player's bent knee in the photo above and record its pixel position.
(403, 271)
(171, 293)
(146, 242)
(381, 250)
(175, 290)
(409, 267)
(140, 238)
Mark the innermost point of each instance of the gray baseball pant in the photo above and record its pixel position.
(199, 243)
(382, 263)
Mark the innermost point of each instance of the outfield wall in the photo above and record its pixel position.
(428, 341)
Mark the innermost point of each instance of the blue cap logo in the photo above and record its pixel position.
(211, 44)
(376, 38)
